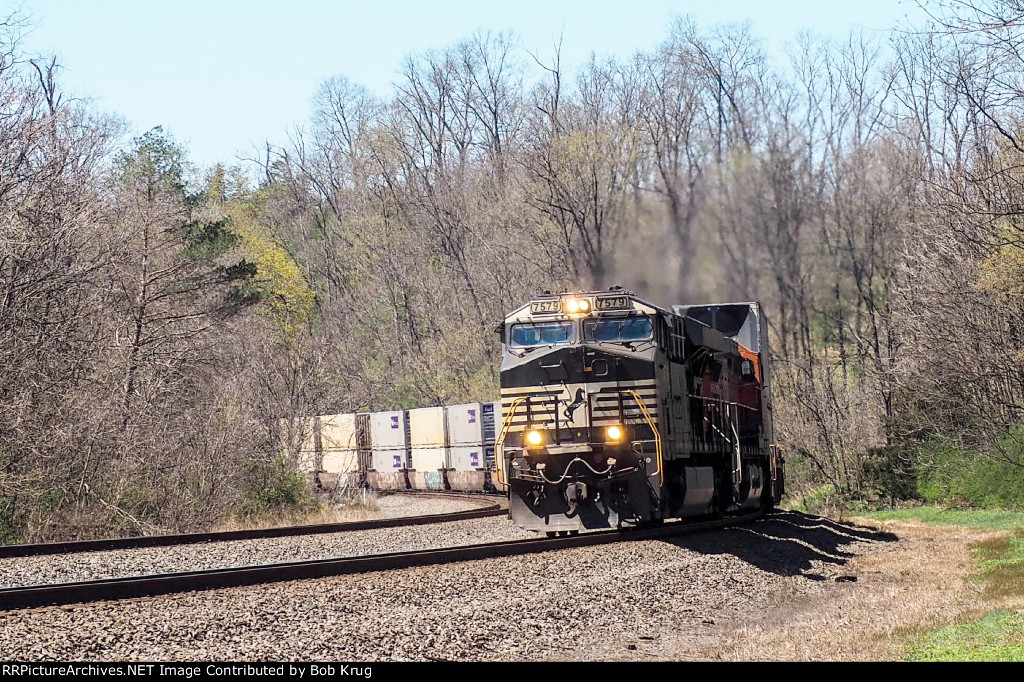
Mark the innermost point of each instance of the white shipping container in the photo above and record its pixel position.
(426, 427)
(428, 459)
(465, 424)
(387, 430)
(340, 461)
(466, 457)
(338, 432)
(387, 460)
(387, 441)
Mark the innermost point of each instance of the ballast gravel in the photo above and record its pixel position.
(61, 568)
(625, 601)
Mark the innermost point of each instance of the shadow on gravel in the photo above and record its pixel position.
(786, 543)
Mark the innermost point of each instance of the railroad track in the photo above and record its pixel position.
(170, 583)
(492, 508)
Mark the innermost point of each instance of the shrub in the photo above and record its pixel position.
(952, 475)
(818, 500)
(8, 531)
(277, 488)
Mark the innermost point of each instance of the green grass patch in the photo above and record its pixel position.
(985, 519)
(997, 637)
(1002, 565)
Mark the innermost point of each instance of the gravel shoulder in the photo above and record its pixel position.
(18, 571)
(398, 506)
(721, 594)
(922, 582)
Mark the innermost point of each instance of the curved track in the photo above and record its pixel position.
(492, 508)
(170, 583)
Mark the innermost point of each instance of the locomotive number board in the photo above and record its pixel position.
(612, 303)
(541, 307)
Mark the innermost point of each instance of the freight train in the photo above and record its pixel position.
(614, 412)
(617, 412)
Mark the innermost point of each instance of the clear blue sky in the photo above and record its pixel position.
(224, 74)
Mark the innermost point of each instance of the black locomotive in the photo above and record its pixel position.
(616, 412)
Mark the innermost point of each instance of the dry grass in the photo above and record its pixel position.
(924, 581)
(344, 510)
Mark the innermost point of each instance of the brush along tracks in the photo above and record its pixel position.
(188, 581)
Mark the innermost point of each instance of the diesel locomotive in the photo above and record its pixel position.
(616, 412)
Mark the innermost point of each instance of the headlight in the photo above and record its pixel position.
(614, 432)
(534, 437)
(577, 305)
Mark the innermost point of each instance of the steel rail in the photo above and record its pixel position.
(78, 546)
(60, 594)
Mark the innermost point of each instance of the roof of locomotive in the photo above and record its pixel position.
(637, 304)
(743, 321)
(711, 324)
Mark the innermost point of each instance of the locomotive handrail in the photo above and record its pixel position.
(499, 442)
(657, 434)
(724, 410)
(732, 403)
(737, 472)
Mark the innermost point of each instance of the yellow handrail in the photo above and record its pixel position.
(657, 434)
(499, 443)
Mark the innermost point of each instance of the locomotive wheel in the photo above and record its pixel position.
(552, 533)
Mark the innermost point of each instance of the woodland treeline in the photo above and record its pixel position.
(159, 323)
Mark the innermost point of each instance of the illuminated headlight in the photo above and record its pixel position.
(614, 432)
(577, 305)
(534, 437)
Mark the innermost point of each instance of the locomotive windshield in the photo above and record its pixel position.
(621, 329)
(540, 333)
